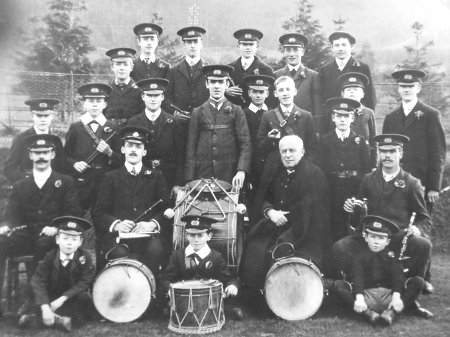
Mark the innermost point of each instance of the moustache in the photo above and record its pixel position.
(41, 161)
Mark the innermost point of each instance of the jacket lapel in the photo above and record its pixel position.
(183, 69)
(412, 118)
(198, 71)
(125, 178)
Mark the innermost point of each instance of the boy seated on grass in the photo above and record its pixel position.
(198, 261)
(62, 279)
(379, 289)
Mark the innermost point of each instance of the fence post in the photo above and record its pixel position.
(71, 97)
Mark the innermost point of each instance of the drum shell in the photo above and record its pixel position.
(294, 288)
(196, 307)
(123, 290)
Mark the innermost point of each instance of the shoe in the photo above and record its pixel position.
(428, 288)
(237, 313)
(63, 322)
(27, 321)
(387, 316)
(371, 316)
(328, 284)
(417, 310)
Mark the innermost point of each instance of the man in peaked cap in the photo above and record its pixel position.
(393, 194)
(125, 100)
(92, 133)
(123, 197)
(18, 164)
(344, 157)
(218, 141)
(342, 45)
(147, 64)
(307, 81)
(352, 86)
(247, 64)
(166, 146)
(424, 155)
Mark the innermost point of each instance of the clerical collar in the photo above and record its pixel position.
(86, 118)
(341, 134)
(39, 132)
(408, 106)
(153, 116)
(151, 58)
(255, 109)
(389, 176)
(294, 67)
(192, 61)
(343, 62)
(202, 253)
(137, 167)
(126, 82)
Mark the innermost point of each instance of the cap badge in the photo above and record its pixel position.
(120, 53)
(147, 29)
(407, 77)
(259, 82)
(388, 140)
(71, 225)
(377, 225)
(248, 36)
(42, 105)
(195, 222)
(292, 39)
(40, 142)
(94, 90)
(344, 105)
(352, 79)
(191, 33)
(217, 72)
(135, 134)
(153, 86)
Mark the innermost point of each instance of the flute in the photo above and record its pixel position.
(405, 238)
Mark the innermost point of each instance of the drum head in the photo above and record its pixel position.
(293, 289)
(122, 292)
(195, 284)
(212, 184)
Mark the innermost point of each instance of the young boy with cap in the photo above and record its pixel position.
(124, 101)
(352, 86)
(218, 140)
(379, 289)
(18, 164)
(147, 64)
(93, 133)
(198, 261)
(62, 279)
(344, 157)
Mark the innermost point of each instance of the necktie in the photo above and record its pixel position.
(195, 259)
(215, 105)
(147, 60)
(341, 65)
(65, 261)
(120, 84)
(293, 72)
(94, 125)
(133, 172)
(290, 171)
(245, 65)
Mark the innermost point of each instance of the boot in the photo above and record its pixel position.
(387, 316)
(27, 321)
(343, 291)
(64, 323)
(428, 288)
(371, 316)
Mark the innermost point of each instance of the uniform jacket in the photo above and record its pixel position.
(166, 145)
(124, 197)
(186, 92)
(213, 266)
(301, 121)
(30, 205)
(45, 280)
(258, 67)
(309, 90)
(257, 164)
(18, 163)
(142, 70)
(396, 200)
(373, 270)
(123, 102)
(218, 143)
(330, 72)
(424, 155)
(364, 125)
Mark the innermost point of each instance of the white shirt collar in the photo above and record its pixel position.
(294, 67)
(287, 110)
(408, 106)
(344, 61)
(202, 253)
(388, 177)
(41, 177)
(63, 256)
(152, 58)
(38, 132)
(220, 101)
(86, 119)
(255, 109)
(153, 116)
(247, 62)
(341, 134)
(137, 167)
(126, 82)
(192, 61)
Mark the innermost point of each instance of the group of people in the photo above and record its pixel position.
(300, 145)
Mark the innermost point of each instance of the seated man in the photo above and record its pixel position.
(291, 203)
(393, 194)
(124, 195)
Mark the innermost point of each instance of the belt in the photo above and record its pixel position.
(344, 174)
(217, 127)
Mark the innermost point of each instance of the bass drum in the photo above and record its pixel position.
(294, 288)
(123, 290)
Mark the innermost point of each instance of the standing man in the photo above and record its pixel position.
(34, 202)
(166, 148)
(392, 194)
(219, 141)
(247, 64)
(125, 100)
(424, 155)
(342, 45)
(124, 195)
(307, 81)
(147, 65)
(18, 164)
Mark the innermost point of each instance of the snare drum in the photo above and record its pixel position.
(196, 307)
(123, 290)
(294, 288)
